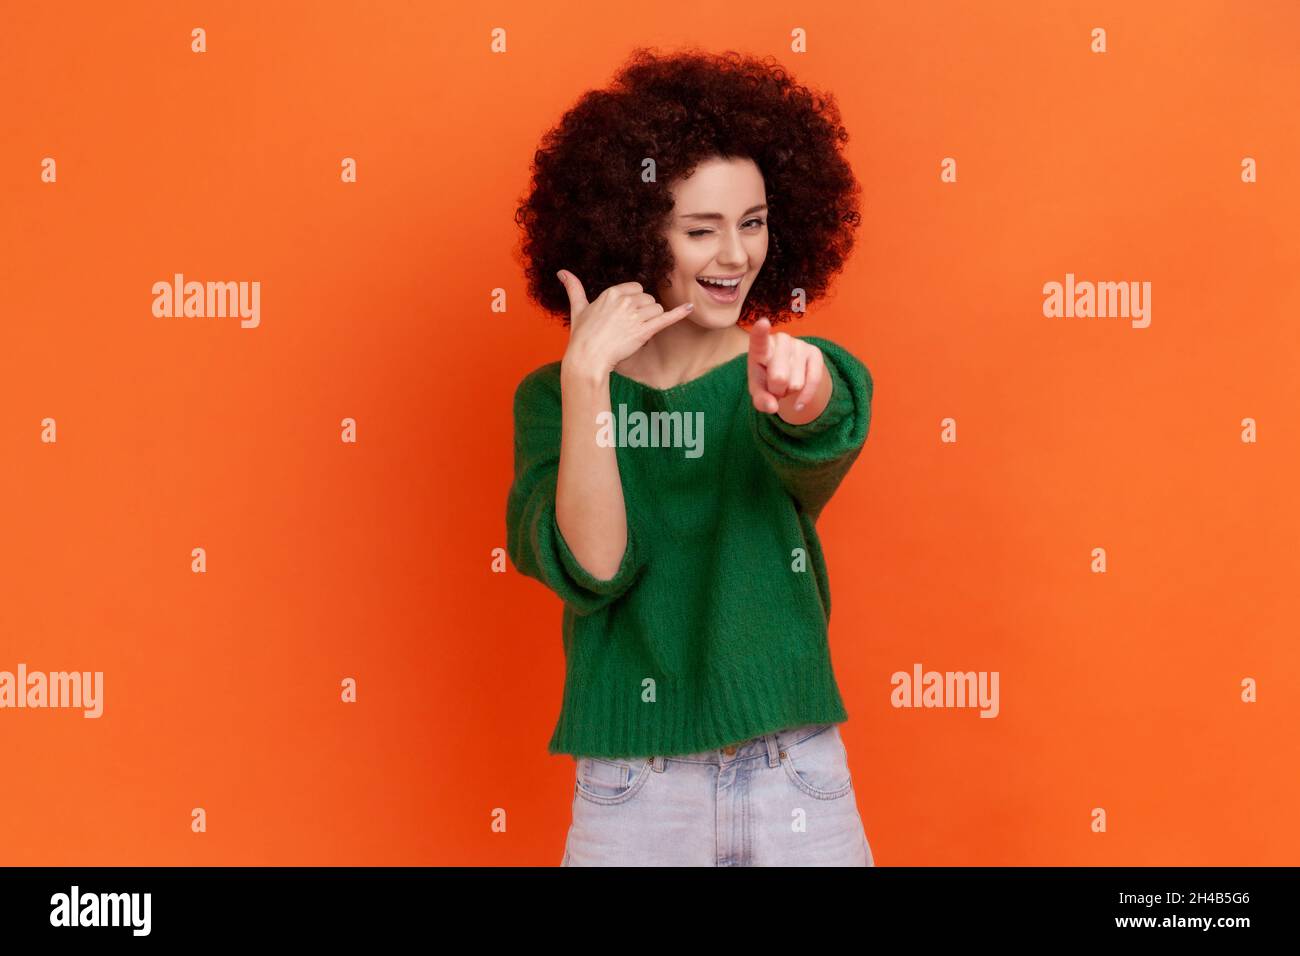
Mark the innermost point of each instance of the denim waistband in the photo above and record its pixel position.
(763, 745)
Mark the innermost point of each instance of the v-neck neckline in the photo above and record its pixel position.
(689, 382)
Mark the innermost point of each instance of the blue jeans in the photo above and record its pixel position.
(782, 799)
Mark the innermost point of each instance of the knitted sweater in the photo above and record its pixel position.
(713, 629)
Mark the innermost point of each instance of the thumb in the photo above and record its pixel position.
(577, 294)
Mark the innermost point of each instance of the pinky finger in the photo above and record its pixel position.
(656, 325)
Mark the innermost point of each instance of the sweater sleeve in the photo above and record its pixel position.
(534, 542)
(812, 459)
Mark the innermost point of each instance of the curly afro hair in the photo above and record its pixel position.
(589, 211)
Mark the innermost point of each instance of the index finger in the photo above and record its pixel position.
(760, 342)
(624, 288)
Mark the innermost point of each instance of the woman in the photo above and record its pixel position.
(697, 195)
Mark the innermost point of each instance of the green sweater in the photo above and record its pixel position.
(713, 630)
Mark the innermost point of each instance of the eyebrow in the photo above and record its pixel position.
(718, 215)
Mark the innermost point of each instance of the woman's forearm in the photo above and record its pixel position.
(589, 505)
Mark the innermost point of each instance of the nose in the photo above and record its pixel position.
(732, 253)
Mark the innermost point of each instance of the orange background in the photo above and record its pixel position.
(327, 560)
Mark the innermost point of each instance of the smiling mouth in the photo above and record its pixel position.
(721, 290)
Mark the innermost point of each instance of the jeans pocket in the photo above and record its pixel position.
(819, 765)
(608, 781)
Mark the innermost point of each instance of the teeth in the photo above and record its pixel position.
(724, 283)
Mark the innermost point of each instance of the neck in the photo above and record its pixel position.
(682, 352)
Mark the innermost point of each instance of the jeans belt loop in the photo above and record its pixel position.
(773, 750)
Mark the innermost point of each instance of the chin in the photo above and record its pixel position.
(715, 317)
